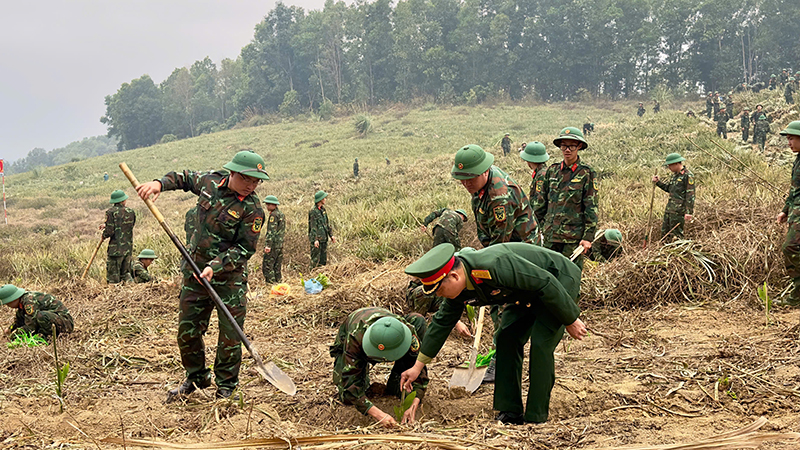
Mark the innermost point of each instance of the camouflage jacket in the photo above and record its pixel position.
(681, 192)
(190, 223)
(729, 107)
(352, 377)
(33, 302)
(319, 229)
(789, 90)
(502, 212)
(568, 206)
(602, 251)
(709, 103)
(420, 302)
(449, 220)
(506, 143)
(722, 119)
(756, 114)
(792, 205)
(139, 272)
(745, 120)
(228, 225)
(537, 182)
(276, 229)
(640, 111)
(761, 127)
(119, 228)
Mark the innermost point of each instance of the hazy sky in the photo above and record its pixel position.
(60, 58)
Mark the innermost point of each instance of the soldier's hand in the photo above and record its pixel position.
(586, 247)
(655, 178)
(316, 244)
(687, 217)
(577, 329)
(781, 217)
(207, 273)
(410, 375)
(423, 228)
(463, 330)
(411, 413)
(103, 226)
(333, 240)
(147, 189)
(384, 419)
(266, 249)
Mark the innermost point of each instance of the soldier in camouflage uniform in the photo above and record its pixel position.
(535, 155)
(791, 213)
(716, 103)
(640, 112)
(709, 104)
(447, 227)
(680, 188)
(421, 303)
(760, 131)
(273, 241)
(568, 207)
(119, 229)
(140, 266)
(229, 220)
(745, 124)
(784, 75)
(319, 230)
(373, 335)
(729, 105)
(355, 168)
(656, 107)
(190, 223)
(607, 246)
(36, 312)
(506, 144)
(773, 81)
(788, 92)
(722, 123)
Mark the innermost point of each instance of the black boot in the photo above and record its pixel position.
(510, 418)
(227, 393)
(185, 389)
(488, 377)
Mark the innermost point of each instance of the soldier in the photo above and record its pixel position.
(745, 124)
(229, 220)
(36, 312)
(729, 104)
(448, 227)
(690, 114)
(421, 303)
(119, 229)
(506, 144)
(608, 245)
(535, 155)
(319, 230)
(567, 202)
(370, 336)
(760, 131)
(722, 123)
(709, 104)
(756, 114)
(656, 107)
(588, 128)
(140, 266)
(105, 176)
(716, 103)
(355, 168)
(273, 241)
(784, 76)
(788, 91)
(539, 289)
(773, 81)
(387, 161)
(680, 188)
(791, 213)
(640, 112)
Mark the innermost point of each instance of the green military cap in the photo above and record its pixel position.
(387, 338)
(433, 266)
(763, 117)
(319, 196)
(463, 213)
(673, 158)
(773, 76)
(791, 78)
(535, 152)
(147, 254)
(613, 236)
(793, 128)
(570, 133)
(746, 108)
(272, 200)
(508, 134)
(471, 161)
(247, 162)
(9, 293)
(118, 196)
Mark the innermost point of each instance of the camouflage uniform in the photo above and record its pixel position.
(772, 84)
(447, 228)
(419, 302)
(709, 105)
(502, 211)
(139, 271)
(276, 230)
(791, 207)
(681, 201)
(535, 192)
(788, 93)
(119, 228)
(722, 124)
(506, 144)
(715, 99)
(640, 112)
(225, 238)
(745, 126)
(38, 312)
(760, 132)
(729, 107)
(319, 229)
(603, 251)
(190, 223)
(656, 108)
(351, 364)
(568, 207)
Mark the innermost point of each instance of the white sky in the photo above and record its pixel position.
(59, 58)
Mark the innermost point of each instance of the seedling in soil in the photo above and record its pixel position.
(405, 402)
(764, 296)
(61, 373)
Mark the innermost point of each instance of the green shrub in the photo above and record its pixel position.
(209, 126)
(326, 110)
(363, 124)
(168, 138)
(291, 105)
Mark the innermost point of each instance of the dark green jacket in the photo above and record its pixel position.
(276, 229)
(449, 220)
(139, 272)
(119, 229)
(681, 189)
(791, 206)
(319, 229)
(32, 303)
(568, 203)
(517, 274)
(502, 212)
(761, 128)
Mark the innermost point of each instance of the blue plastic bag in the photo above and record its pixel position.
(312, 286)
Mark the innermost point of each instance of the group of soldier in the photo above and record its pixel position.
(640, 111)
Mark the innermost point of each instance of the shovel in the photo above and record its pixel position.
(471, 377)
(268, 371)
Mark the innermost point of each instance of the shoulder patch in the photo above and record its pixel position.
(29, 309)
(235, 214)
(414, 343)
(691, 180)
(596, 186)
(257, 224)
(482, 274)
(500, 213)
(271, 219)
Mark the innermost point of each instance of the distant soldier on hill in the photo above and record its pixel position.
(118, 228)
(729, 104)
(760, 131)
(722, 123)
(773, 82)
(36, 312)
(640, 112)
(319, 230)
(506, 144)
(355, 168)
(745, 124)
(588, 128)
(709, 104)
(680, 188)
(784, 76)
(105, 176)
(273, 241)
(716, 103)
(141, 265)
(656, 107)
(788, 92)
(791, 213)
(447, 227)
(758, 113)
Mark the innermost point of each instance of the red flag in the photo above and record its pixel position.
(1, 166)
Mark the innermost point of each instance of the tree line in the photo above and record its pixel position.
(75, 151)
(462, 51)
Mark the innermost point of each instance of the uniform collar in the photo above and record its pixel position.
(486, 186)
(574, 166)
(224, 184)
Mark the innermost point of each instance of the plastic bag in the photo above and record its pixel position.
(312, 286)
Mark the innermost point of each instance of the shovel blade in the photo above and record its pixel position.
(274, 375)
(471, 377)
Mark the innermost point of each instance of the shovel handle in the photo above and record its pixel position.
(91, 260)
(479, 328)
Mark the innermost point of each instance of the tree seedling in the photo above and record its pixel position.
(405, 402)
(61, 373)
(764, 296)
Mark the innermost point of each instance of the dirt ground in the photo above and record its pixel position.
(669, 374)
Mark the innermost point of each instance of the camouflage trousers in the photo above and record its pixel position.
(566, 249)
(791, 259)
(760, 139)
(745, 133)
(709, 109)
(319, 256)
(271, 265)
(45, 321)
(673, 225)
(506, 150)
(722, 131)
(118, 268)
(195, 312)
(789, 98)
(441, 236)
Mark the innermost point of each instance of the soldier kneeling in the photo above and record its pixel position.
(36, 312)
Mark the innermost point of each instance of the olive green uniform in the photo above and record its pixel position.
(271, 263)
(722, 124)
(745, 126)
(539, 289)
(119, 230)
(791, 245)
(319, 229)
(38, 312)
(681, 190)
(760, 133)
